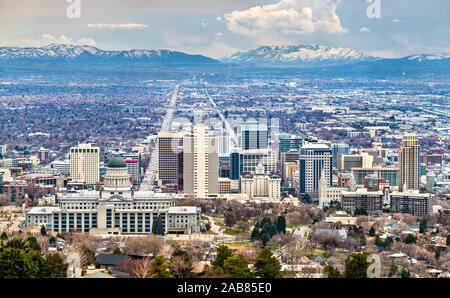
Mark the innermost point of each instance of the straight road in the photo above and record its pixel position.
(150, 175)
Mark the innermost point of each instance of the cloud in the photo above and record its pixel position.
(204, 24)
(48, 38)
(364, 29)
(396, 21)
(286, 17)
(118, 26)
(218, 34)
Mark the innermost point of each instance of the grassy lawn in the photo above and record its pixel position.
(233, 231)
(237, 245)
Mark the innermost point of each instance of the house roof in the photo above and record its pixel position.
(111, 259)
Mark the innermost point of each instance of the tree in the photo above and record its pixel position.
(33, 243)
(117, 251)
(361, 211)
(23, 259)
(372, 232)
(54, 266)
(180, 264)
(4, 200)
(332, 272)
(223, 252)
(410, 239)
(405, 273)
(230, 219)
(142, 268)
(52, 240)
(394, 268)
(208, 225)
(161, 268)
(237, 266)
(264, 237)
(281, 224)
(448, 240)
(43, 231)
(159, 226)
(255, 234)
(266, 265)
(88, 258)
(4, 236)
(356, 266)
(423, 226)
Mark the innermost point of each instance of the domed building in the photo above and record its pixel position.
(118, 210)
(117, 178)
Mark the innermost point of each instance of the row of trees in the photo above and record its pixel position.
(23, 259)
(235, 265)
(266, 229)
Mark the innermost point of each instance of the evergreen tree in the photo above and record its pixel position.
(281, 224)
(161, 268)
(236, 266)
(223, 252)
(394, 268)
(361, 211)
(356, 266)
(372, 232)
(332, 272)
(4, 236)
(405, 273)
(410, 239)
(159, 226)
(54, 266)
(266, 265)
(43, 231)
(423, 226)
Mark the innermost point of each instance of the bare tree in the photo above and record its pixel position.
(142, 268)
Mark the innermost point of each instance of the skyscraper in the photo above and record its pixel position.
(339, 149)
(84, 164)
(290, 142)
(409, 163)
(200, 163)
(169, 146)
(254, 135)
(315, 158)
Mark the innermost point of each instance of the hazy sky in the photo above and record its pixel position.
(220, 27)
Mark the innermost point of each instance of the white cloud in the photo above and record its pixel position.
(364, 29)
(286, 17)
(218, 34)
(118, 26)
(48, 38)
(204, 24)
(396, 20)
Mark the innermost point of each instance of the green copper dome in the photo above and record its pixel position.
(117, 162)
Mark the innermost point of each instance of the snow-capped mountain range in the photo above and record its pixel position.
(299, 55)
(77, 53)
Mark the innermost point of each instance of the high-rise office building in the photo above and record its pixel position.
(290, 142)
(224, 145)
(347, 162)
(200, 163)
(2, 151)
(234, 165)
(84, 164)
(43, 154)
(133, 162)
(339, 149)
(169, 146)
(409, 163)
(249, 160)
(254, 135)
(315, 158)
